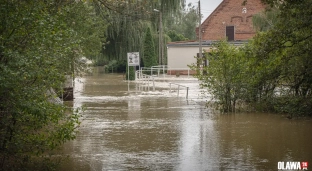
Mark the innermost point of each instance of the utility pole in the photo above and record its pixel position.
(161, 39)
(161, 47)
(200, 32)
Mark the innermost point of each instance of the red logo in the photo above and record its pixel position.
(304, 165)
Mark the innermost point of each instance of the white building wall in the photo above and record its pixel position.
(179, 56)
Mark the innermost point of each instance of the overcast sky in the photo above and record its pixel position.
(207, 6)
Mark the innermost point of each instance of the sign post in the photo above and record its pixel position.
(133, 59)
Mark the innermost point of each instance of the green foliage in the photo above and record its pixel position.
(131, 73)
(273, 72)
(128, 38)
(224, 74)
(128, 22)
(111, 65)
(121, 66)
(286, 49)
(89, 26)
(149, 58)
(100, 60)
(265, 20)
(174, 36)
(184, 23)
(40, 43)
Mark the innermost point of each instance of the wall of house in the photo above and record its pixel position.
(179, 57)
(231, 13)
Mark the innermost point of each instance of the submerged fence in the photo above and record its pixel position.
(147, 76)
(146, 79)
(161, 70)
(179, 85)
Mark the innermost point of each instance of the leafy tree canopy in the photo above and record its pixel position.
(185, 22)
(273, 71)
(40, 43)
(149, 58)
(174, 36)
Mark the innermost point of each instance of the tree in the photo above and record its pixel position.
(273, 71)
(265, 20)
(174, 36)
(185, 22)
(286, 48)
(224, 74)
(128, 21)
(131, 73)
(149, 58)
(40, 43)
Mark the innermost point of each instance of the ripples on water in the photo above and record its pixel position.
(141, 130)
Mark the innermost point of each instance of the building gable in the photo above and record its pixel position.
(231, 14)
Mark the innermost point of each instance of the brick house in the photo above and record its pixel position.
(232, 20)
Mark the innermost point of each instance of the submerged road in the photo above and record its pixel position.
(130, 128)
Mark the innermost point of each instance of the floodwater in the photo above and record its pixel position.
(127, 127)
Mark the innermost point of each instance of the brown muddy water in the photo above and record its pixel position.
(126, 127)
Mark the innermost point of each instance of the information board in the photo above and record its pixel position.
(133, 59)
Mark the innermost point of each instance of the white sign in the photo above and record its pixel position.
(133, 58)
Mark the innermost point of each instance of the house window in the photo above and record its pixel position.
(230, 33)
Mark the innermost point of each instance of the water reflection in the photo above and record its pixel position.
(130, 130)
(259, 141)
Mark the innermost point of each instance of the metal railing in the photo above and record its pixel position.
(156, 71)
(146, 79)
(179, 85)
(159, 68)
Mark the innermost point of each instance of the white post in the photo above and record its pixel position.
(161, 38)
(128, 77)
(128, 73)
(164, 70)
(187, 89)
(148, 84)
(153, 84)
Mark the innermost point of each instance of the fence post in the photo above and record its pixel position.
(187, 89)
(153, 84)
(163, 70)
(148, 80)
